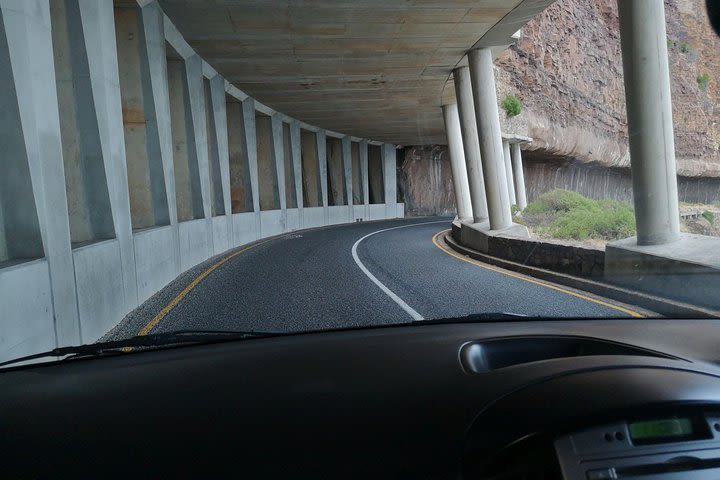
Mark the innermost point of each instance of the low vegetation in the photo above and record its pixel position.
(569, 215)
(709, 216)
(702, 80)
(512, 106)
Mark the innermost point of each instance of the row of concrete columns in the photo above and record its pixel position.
(487, 171)
(95, 111)
(483, 179)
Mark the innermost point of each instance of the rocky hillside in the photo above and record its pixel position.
(567, 71)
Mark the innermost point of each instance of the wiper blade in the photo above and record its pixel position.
(152, 340)
(481, 317)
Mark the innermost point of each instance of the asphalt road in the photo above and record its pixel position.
(310, 280)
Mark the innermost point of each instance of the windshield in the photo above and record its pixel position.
(262, 168)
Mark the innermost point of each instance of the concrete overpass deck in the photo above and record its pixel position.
(368, 68)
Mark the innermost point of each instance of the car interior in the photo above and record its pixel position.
(523, 399)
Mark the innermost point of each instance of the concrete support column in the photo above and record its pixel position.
(347, 167)
(196, 89)
(219, 110)
(389, 161)
(650, 126)
(248, 110)
(457, 162)
(29, 63)
(491, 149)
(296, 152)
(278, 155)
(509, 172)
(519, 176)
(98, 22)
(363, 153)
(321, 149)
(153, 25)
(471, 146)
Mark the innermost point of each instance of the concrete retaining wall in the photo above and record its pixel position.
(578, 261)
(63, 293)
(155, 264)
(314, 217)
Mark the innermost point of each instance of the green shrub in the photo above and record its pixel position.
(606, 220)
(702, 80)
(684, 47)
(557, 201)
(511, 105)
(568, 214)
(709, 216)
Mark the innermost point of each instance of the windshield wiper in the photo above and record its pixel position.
(181, 337)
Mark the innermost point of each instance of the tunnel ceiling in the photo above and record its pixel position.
(370, 68)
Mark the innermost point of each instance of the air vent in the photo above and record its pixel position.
(493, 354)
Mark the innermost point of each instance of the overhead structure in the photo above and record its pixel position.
(365, 68)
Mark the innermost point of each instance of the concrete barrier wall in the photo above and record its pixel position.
(314, 217)
(577, 261)
(155, 264)
(69, 293)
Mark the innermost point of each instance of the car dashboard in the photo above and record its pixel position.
(575, 399)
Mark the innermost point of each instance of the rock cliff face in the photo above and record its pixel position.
(425, 181)
(567, 71)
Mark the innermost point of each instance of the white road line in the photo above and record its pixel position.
(411, 311)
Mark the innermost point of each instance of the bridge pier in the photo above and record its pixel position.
(659, 260)
(482, 79)
(457, 163)
(519, 176)
(509, 172)
(471, 147)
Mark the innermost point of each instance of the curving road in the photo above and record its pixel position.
(350, 275)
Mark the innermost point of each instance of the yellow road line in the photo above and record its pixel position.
(161, 314)
(452, 253)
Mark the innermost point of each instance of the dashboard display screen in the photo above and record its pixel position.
(657, 431)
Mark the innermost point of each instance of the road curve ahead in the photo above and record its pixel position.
(350, 275)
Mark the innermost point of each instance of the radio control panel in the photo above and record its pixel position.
(665, 447)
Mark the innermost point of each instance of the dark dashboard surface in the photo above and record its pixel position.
(389, 402)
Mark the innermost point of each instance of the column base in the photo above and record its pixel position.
(480, 237)
(687, 270)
